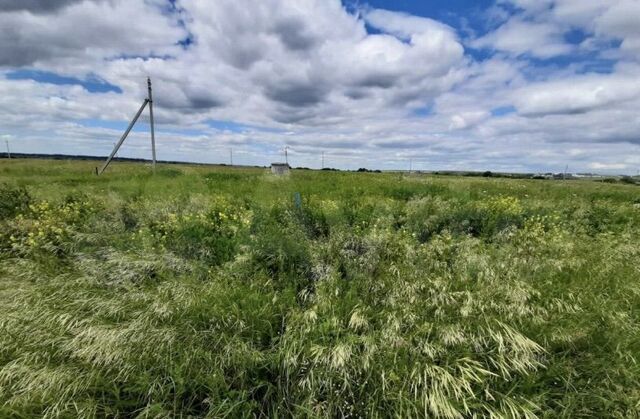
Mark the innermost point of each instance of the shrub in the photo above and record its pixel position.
(211, 236)
(279, 245)
(13, 200)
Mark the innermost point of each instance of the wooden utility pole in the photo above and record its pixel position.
(147, 101)
(286, 158)
(322, 167)
(153, 136)
(8, 151)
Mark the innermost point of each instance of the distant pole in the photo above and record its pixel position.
(231, 156)
(153, 136)
(564, 175)
(410, 165)
(322, 167)
(8, 151)
(286, 157)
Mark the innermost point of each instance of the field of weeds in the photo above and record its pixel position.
(208, 292)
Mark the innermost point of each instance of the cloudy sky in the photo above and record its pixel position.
(511, 85)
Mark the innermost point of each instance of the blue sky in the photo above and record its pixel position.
(91, 83)
(512, 85)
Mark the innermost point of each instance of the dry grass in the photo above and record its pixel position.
(205, 292)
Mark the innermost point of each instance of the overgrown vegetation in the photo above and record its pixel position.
(208, 292)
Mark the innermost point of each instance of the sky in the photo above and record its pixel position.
(501, 85)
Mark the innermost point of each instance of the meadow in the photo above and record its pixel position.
(208, 292)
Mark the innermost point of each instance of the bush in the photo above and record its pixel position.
(279, 245)
(628, 180)
(13, 200)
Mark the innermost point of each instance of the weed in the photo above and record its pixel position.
(206, 292)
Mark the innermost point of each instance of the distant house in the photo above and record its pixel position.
(280, 168)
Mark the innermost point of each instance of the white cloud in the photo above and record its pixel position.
(407, 26)
(308, 74)
(607, 166)
(621, 21)
(578, 94)
(600, 20)
(84, 32)
(465, 120)
(517, 37)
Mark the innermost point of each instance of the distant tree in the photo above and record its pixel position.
(487, 174)
(628, 179)
(610, 180)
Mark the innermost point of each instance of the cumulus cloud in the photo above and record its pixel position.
(84, 33)
(579, 94)
(517, 37)
(600, 20)
(369, 87)
(621, 21)
(35, 6)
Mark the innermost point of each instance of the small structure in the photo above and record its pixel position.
(280, 168)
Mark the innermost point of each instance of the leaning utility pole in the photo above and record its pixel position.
(147, 101)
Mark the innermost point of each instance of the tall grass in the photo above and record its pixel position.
(207, 292)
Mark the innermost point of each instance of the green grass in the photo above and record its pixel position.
(206, 292)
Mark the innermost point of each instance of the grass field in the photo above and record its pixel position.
(203, 291)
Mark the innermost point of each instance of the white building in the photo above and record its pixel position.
(280, 168)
